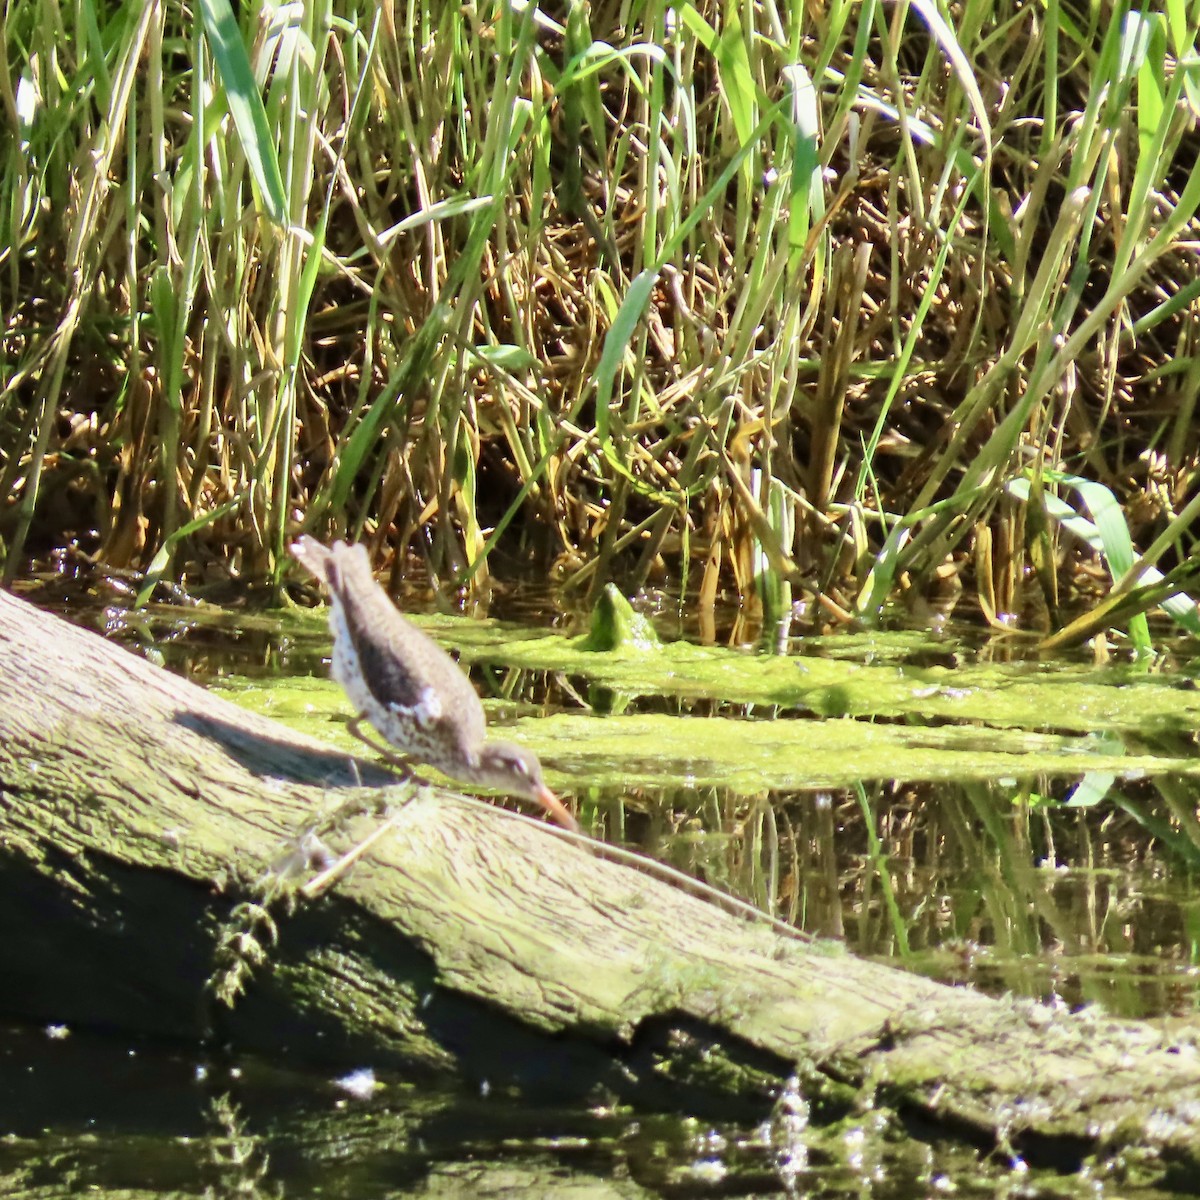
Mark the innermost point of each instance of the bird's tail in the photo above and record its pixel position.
(331, 564)
(312, 556)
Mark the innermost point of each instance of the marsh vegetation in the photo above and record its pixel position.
(844, 304)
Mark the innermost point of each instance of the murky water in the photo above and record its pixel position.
(1040, 847)
(889, 790)
(86, 1114)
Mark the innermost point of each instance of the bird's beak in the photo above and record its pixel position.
(555, 807)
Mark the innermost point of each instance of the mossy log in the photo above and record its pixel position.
(141, 814)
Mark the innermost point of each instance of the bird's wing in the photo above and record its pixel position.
(402, 666)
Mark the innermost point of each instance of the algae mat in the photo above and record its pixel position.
(784, 753)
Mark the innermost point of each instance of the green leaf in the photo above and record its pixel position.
(245, 106)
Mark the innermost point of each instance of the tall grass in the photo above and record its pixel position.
(775, 299)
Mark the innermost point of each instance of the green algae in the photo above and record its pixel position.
(1047, 696)
(724, 765)
(822, 681)
(658, 750)
(747, 756)
(885, 711)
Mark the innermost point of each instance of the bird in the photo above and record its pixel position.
(409, 688)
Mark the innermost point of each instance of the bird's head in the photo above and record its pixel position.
(515, 770)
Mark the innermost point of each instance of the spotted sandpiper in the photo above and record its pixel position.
(409, 688)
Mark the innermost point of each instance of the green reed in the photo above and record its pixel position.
(752, 299)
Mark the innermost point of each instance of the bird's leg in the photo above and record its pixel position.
(354, 725)
(331, 869)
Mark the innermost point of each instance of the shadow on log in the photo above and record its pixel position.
(139, 812)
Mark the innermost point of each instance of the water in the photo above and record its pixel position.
(86, 1114)
(976, 873)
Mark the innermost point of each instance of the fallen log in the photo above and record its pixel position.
(142, 815)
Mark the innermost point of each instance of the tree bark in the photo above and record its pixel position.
(142, 817)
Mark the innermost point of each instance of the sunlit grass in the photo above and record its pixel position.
(781, 309)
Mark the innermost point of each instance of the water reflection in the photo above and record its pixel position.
(995, 884)
(1012, 884)
(102, 1116)
(999, 882)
